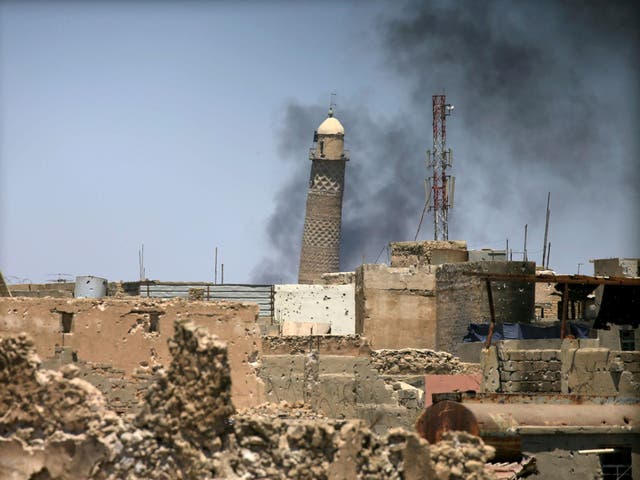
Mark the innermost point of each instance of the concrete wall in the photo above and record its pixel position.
(558, 458)
(430, 252)
(119, 332)
(578, 367)
(395, 307)
(515, 371)
(332, 305)
(599, 371)
(617, 267)
(336, 376)
(462, 299)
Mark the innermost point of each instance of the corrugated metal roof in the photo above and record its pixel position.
(260, 294)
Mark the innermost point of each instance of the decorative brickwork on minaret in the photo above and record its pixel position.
(321, 238)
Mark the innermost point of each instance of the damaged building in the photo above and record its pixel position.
(445, 363)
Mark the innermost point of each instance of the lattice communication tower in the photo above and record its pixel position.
(440, 186)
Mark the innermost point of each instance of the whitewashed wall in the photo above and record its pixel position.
(323, 305)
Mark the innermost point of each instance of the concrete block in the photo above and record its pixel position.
(511, 366)
(629, 385)
(532, 355)
(632, 357)
(632, 367)
(547, 355)
(553, 366)
(591, 383)
(591, 359)
(516, 355)
(490, 368)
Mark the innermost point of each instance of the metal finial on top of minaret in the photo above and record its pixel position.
(331, 104)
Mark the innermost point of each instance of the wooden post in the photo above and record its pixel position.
(493, 315)
(565, 310)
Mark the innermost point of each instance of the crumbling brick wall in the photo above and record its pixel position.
(430, 252)
(128, 332)
(53, 425)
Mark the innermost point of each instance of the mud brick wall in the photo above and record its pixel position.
(127, 332)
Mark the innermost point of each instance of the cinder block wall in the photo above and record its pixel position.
(579, 367)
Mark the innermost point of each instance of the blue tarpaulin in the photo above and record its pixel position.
(477, 332)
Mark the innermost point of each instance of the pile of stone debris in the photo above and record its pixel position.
(56, 426)
(416, 361)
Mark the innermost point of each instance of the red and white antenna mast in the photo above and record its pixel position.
(440, 185)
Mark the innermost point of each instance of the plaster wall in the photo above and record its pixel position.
(396, 307)
(332, 305)
(119, 332)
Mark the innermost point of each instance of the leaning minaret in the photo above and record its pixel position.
(321, 238)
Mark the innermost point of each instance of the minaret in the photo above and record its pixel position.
(321, 238)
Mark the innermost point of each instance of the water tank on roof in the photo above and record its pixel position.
(88, 286)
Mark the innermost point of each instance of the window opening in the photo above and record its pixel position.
(66, 319)
(627, 340)
(154, 322)
(616, 465)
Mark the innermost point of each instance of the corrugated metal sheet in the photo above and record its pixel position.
(260, 294)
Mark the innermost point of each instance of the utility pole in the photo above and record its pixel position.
(546, 231)
(215, 266)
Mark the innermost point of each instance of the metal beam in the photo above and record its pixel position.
(571, 279)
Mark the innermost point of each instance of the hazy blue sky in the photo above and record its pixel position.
(170, 124)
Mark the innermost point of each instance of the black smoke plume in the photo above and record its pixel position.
(536, 87)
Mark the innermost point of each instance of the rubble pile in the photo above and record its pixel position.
(184, 418)
(410, 254)
(416, 361)
(283, 409)
(461, 456)
(262, 447)
(54, 425)
(326, 344)
(51, 423)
